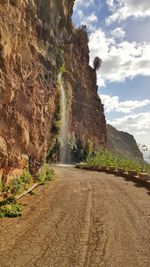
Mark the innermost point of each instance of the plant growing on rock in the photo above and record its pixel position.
(62, 69)
(97, 63)
(53, 148)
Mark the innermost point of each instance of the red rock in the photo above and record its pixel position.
(33, 35)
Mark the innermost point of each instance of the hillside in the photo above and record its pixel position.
(123, 143)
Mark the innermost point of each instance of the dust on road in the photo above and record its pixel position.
(83, 218)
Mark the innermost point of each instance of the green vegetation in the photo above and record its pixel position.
(104, 158)
(46, 175)
(9, 208)
(21, 183)
(1, 186)
(53, 150)
(79, 152)
(62, 68)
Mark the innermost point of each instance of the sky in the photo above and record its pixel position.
(119, 33)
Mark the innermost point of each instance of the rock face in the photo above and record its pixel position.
(123, 143)
(87, 113)
(36, 38)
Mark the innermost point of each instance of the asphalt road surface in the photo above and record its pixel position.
(82, 219)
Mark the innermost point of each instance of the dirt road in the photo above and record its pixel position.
(82, 219)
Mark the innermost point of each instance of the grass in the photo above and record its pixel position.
(104, 158)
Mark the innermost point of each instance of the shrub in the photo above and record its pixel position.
(9, 200)
(97, 63)
(17, 185)
(10, 210)
(26, 177)
(47, 174)
(42, 175)
(106, 158)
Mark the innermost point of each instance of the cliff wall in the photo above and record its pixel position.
(87, 112)
(36, 38)
(123, 143)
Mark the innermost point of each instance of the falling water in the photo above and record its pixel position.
(64, 151)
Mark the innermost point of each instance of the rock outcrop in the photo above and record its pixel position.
(87, 112)
(36, 38)
(123, 143)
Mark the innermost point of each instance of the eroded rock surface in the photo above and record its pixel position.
(87, 112)
(35, 38)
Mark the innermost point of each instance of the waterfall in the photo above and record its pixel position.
(64, 150)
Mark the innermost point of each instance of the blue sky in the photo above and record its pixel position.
(119, 33)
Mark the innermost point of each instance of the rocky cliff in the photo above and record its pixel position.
(123, 143)
(87, 113)
(36, 38)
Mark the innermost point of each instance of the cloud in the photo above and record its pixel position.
(114, 104)
(123, 9)
(118, 33)
(89, 20)
(83, 3)
(134, 123)
(121, 59)
(80, 14)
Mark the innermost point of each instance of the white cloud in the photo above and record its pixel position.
(123, 9)
(83, 3)
(118, 33)
(114, 104)
(80, 14)
(89, 20)
(136, 124)
(121, 59)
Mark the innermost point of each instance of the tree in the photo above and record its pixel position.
(97, 63)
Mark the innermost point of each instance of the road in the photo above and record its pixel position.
(82, 219)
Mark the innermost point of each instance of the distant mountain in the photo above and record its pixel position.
(123, 143)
